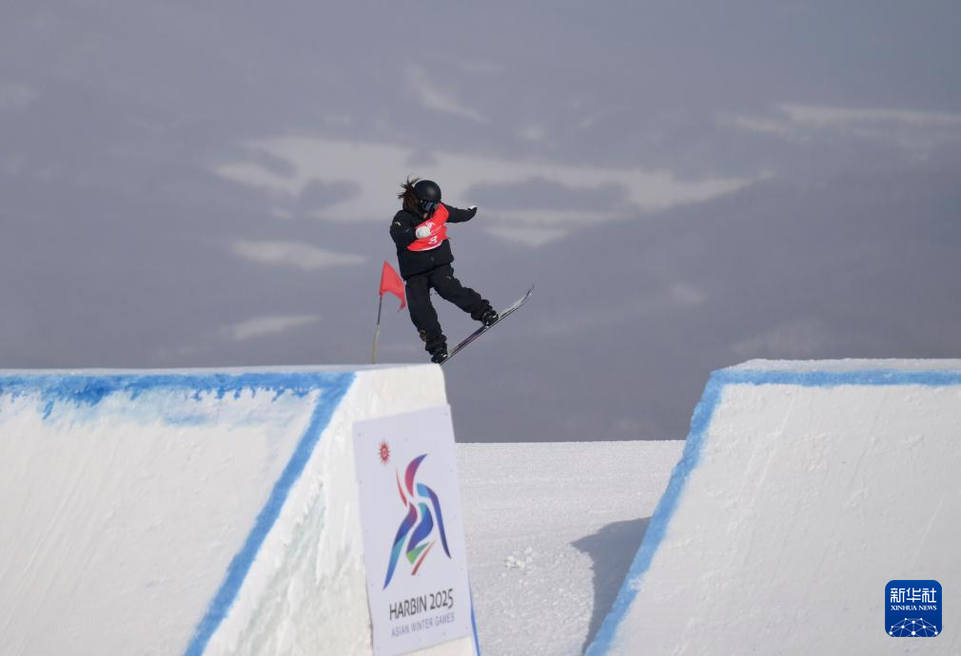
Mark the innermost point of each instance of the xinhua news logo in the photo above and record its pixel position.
(913, 609)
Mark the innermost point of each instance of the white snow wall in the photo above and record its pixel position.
(803, 489)
(190, 512)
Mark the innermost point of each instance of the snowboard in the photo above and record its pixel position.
(503, 314)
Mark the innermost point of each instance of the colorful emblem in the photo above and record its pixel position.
(415, 536)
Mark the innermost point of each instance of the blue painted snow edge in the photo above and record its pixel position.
(700, 422)
(334, 388)
(90, 389)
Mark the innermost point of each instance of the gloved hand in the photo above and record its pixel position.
(472, 210)
(424, 230)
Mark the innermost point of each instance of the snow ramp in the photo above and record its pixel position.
(190, 512)
(804, 489)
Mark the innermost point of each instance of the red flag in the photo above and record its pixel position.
(391, 282)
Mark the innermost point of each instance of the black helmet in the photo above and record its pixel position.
(428, 193)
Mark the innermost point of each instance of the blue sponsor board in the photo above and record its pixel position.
(912, 609)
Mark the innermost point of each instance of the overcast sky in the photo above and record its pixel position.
(689, 185)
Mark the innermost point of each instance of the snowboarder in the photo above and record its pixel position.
(419, 230)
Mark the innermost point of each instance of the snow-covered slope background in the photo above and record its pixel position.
(552, 530)
(216, 512)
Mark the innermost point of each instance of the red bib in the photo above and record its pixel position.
(438, 230)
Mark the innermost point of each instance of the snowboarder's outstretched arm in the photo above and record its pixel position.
(458, 215)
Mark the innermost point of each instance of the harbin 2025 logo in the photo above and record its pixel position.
(913, 609)
(421, 527)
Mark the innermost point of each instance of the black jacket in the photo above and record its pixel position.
(415, 262)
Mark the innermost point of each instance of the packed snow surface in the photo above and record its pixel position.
(216, 513)
(551, 532)
(803, 490)
(190, 512)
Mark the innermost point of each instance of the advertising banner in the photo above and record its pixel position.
(410, 511)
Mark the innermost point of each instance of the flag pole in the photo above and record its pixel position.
(380, 304)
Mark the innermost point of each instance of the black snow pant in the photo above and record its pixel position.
(422, 312)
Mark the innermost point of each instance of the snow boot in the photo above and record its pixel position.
(437, 347)
(489, 318)
(485, 314)
(439, 353)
